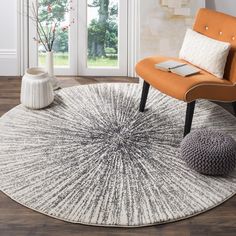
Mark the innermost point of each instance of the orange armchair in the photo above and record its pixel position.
(213, 24)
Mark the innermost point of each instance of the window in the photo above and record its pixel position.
(94, 44)
(103, 24)
(61, 43)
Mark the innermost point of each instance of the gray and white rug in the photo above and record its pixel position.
(92, 158)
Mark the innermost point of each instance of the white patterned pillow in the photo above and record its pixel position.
(207, 53)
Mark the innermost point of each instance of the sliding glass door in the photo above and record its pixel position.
(91, 38)
(65, 50)
(103, 41)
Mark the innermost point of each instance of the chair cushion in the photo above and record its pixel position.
(204, 52)
(203, 85)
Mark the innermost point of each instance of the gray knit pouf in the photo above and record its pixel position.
(209, 152)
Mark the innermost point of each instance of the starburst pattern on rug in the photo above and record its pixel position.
(93, 158)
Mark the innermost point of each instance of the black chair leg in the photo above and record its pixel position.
(189, 117)
(234, 107)
(145, 91)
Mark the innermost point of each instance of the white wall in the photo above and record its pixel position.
(8, 38)
(164, 23)
(162, 30)
(226, 6)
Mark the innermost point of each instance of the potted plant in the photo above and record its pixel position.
(48, 26)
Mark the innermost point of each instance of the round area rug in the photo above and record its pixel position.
(93, 158)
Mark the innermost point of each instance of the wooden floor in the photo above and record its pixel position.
(16, 220)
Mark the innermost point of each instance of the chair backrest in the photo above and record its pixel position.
(221, 27)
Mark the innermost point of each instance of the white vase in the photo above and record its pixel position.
(50, 70)
(36, 89)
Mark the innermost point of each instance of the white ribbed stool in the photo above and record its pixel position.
(36, 89)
